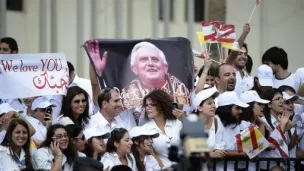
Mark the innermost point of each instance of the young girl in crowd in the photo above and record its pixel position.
(142, 149)
(15, 148)
(119, 150)
(57, 151)
(75, 107)
(77, 138)
(95, 146)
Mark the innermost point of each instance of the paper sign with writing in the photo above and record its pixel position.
(29, 75)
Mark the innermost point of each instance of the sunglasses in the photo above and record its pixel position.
(81, 138)
(78, 101)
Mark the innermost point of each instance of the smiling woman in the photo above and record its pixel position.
(15, 148)
(75, 107)
(57, 151)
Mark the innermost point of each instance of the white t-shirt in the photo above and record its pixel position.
(171, 136)
(244, 83)
(40, 133)
(43, 159)
(6, 160)
(109, 160)
(290, 81)
(151, 163)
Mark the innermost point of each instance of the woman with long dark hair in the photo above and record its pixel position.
(95, 146)
(119, 150)
(75, 107)
(56, 152)
(159, 109)
(15, 148)
(142, 149)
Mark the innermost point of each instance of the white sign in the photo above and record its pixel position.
(30, 75)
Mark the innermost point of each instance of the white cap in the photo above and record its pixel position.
(230, 98)
(42, 103)
(139, 131)
(203, 95)
(252, 96)
(94, 132)
(6, 107)
(265, 75)
(286, 97)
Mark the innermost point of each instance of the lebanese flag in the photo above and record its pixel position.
(278, 139)
(209, 31)
(251, 141)
(226, 34)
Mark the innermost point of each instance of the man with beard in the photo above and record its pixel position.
(224, 78)
(229, 125)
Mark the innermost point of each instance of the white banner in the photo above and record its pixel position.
(30, 75)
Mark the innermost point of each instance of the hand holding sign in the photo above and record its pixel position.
(93, 51)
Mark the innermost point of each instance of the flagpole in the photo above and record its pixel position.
(252, 13)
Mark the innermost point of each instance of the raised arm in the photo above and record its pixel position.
(202, 80)
(233, 55)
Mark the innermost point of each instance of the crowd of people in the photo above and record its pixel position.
(87, 128)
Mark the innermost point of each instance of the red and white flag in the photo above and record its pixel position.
(226, 34)
(209, 31)
(278, 139)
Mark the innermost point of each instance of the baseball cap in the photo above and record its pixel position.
(230, 98)
(265, 75)
(139, 131)
(6, 107)
(42, 103)
(94, 132)
(203, 95)
(252, 96)
(287, 97)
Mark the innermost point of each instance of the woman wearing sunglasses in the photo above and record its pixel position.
(57, 151)
(75, 107)
(119, 150)
(77, 138)
(142, 149)
(95, 146)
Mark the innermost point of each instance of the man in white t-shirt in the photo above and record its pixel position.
(277, 59)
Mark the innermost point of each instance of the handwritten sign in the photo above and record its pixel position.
(29, 75)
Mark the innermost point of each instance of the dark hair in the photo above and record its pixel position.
(140, 139)
(71, 67)
(105, 95)
(73, 130)
(8, 142)
(163, 102)
(244, 45)
(276, 56)
(11, 42)
(121, 168)
(218, 69)
(70, 153)
(116, 135)
(248, 114)
(249, 64)
(287, 88)
(87, 164)
(89, 150)
(268, 95)
(66, 106)
(211, 71)
(225, 114)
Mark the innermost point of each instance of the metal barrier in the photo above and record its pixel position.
(279, 161)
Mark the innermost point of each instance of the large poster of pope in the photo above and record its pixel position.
(137, 67)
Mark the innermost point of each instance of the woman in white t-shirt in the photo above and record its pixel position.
(142, 149)
(56, 152)
(119, 150)
(15, 148)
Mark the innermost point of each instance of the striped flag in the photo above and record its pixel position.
(209, 30)
(278, 139)
(226, 34)
(251, 141)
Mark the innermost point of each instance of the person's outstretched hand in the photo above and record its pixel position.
(93, 51)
